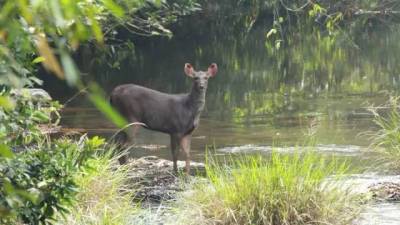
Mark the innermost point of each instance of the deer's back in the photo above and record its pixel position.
(159, 111)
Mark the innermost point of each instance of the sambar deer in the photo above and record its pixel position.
(175, 114)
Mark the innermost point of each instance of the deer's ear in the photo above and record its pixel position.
(189, 69)
(212, 70)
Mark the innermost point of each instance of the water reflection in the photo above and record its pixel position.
(311, 73)
(333, 122)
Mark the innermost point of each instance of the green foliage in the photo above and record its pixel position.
(285, 189)
(344, 19)
(24, 115)
(51, 29)
(386, 140)
(39, 26)
(40, 181)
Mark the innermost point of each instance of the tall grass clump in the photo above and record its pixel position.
(104, 195)
(386, 140)
(282, 190)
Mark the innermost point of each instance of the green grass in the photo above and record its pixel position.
(284, 189)
(104, 197)
(386, 140)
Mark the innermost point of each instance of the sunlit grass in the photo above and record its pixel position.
(104, 196)
(386, 140)
(284, 189)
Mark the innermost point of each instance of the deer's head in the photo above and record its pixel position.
(200, 78)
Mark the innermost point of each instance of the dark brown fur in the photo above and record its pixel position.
(175, 114)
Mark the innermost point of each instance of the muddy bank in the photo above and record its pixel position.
(154, 180)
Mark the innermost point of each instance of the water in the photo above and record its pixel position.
(381, 214)
(378, 213)
(342, 135)
(261, 98)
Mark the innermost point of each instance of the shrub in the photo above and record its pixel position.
(39, 182)
(285, 189)
(20, 122)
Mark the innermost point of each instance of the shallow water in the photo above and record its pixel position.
(384, 213)
(381, 212)
(337, 129)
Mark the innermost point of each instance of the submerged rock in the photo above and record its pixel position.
(385, 191)
(154, 180)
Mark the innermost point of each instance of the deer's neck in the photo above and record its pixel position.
(197, 99)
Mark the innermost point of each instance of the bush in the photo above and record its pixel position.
(20, 122)
(39, 182)
(285, 189)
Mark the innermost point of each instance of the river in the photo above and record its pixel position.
(262, 97)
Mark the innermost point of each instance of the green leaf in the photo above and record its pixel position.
(96, 142)
(278, 44)
(42, 184)
(57, 13)
(94, 24)
(6, 103)
(36, 80)
(272, 31)
(38, 60)
(40, 116)
(70, 70)
(5, 151)
(158, 3)
(97, 98)
(115, 9)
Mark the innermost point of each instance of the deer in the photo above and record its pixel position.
(175, 114)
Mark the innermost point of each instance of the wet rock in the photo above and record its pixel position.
(37, 94)
(154, 180)
(56, 131)
(385, 191)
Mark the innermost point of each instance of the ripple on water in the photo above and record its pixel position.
(328, 148)
(381, 213)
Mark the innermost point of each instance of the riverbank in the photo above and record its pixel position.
(374, 191)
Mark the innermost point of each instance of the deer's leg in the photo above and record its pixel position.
(131, 132)
(129, 140)
(174, 151)
(120, 140)
(185, 146)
